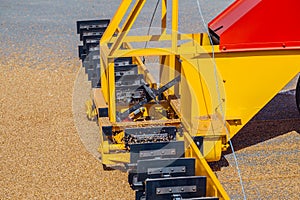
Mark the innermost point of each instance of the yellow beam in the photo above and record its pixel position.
(189, 51)
(213, 186)
(165, 37)
(143, 52)
(116, 20)
(127, 25)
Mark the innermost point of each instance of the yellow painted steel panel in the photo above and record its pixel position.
(252, 79)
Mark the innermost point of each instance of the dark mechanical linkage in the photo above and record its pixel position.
(152, 94)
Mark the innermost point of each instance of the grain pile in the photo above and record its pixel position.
(42, 154)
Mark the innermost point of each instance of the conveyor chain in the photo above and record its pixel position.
(90, 32)
(146, 135)
(160, 171)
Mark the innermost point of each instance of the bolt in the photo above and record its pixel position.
(158, 191)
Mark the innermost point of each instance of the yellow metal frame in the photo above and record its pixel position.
(217, 96)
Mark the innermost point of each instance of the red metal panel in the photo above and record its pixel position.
(258, 24)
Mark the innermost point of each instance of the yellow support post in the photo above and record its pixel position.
(174, 25)
(112, 95)
(103, 72)
(168, 62)
(163, 17)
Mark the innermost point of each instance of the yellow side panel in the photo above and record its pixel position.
(252, 79)
(201, 98)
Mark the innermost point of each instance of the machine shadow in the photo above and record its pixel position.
(278, 117)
